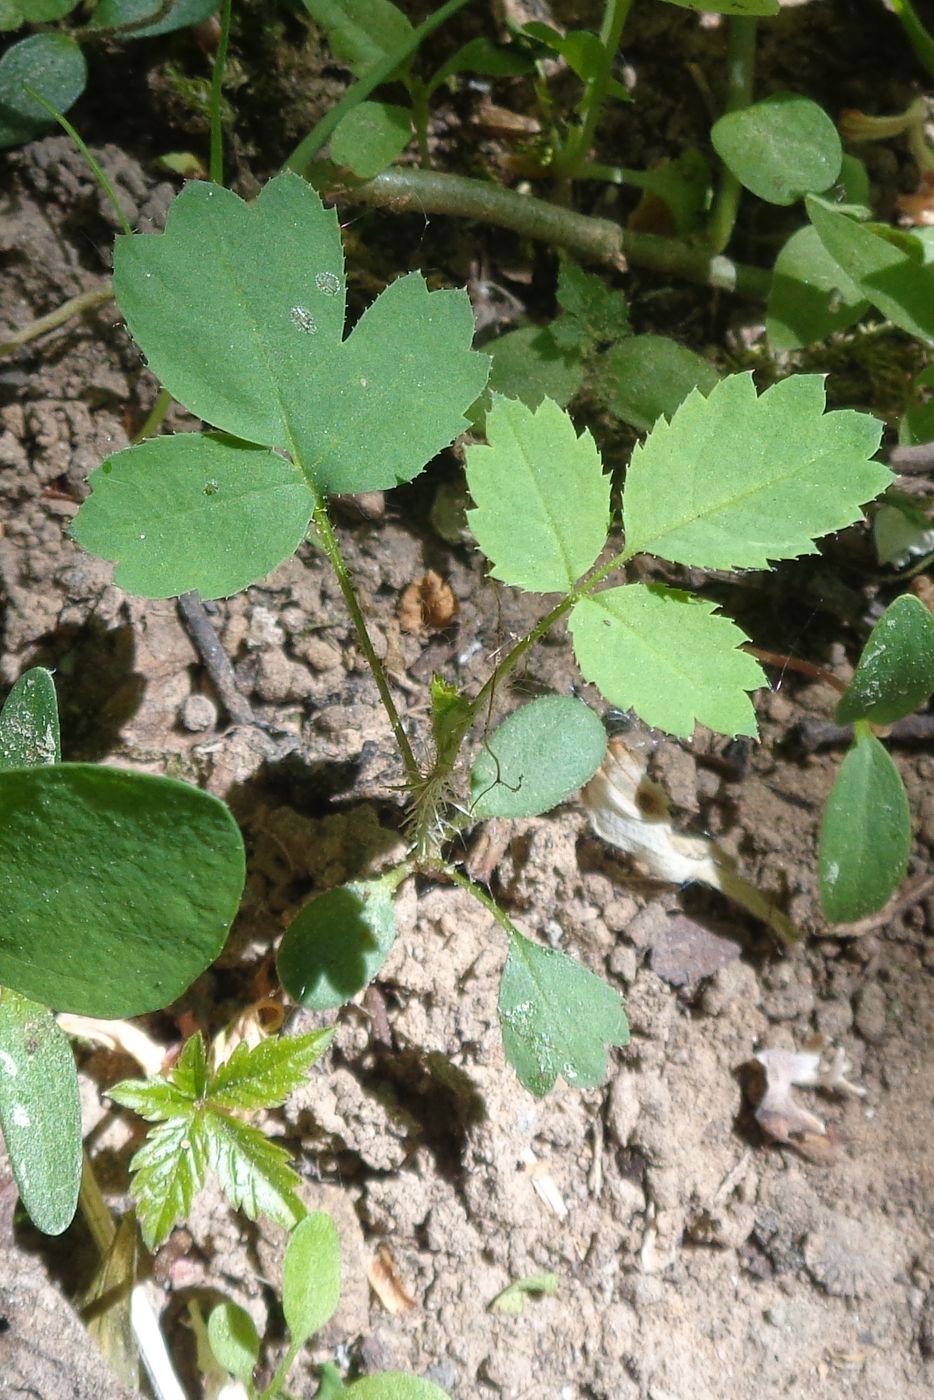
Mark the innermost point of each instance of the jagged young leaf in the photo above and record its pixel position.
(736, 480)
(40, 1111)
(601, 312)
(537, 757)
(780, 148)
(263, 1076)
(168, 1172)
(311, 1276)
(524, 483)
(246, 507)
(895, 673)
(337, 944)
(234, 1340)
(668, 656)
(253, 1172)
(865, 835)
(256, 350)
(119, 888)
(29, 731)
(530, 365)
(557, 1018)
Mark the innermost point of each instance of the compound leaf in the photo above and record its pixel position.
(668, 656)
(262, 1076)
(556, 1018)
(537, 757)
(253, 1172)
(895, 673)
(40, 1111)
(246, 507)
(29, 732)
(895, 280)
(337, 944)
(118, 888)
(543, 503)
(736, 479)
(256, 349)
(168, 1172)
(865, 835)
(311, 1276)
(780, 148)
(234, 1340)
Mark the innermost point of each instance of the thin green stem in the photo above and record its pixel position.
(282, 1371)
(741, 65)
(310, 145)
(95, 168)
(594, 240)
(75, 306)
(217, 97)
(611, 33)
(918, 36)
(480, 895)
(156, 416)
(331, 548)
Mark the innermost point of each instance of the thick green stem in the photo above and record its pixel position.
(741, 64)
(611, 32)
(594, 240)
(331, 548)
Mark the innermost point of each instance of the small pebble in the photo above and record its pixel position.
(197, 713)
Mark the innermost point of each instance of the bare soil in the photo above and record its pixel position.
(694, 1257)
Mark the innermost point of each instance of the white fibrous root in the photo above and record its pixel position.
(631, 812)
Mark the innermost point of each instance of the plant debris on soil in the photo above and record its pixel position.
(701, 1244)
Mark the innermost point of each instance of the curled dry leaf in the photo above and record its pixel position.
(778, 1113)
(386, 1284)
(124, 1036)
(427, 602)
(631, 812)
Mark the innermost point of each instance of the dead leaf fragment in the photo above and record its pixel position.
(780, 1116)
(386, 1284)
(427, 602)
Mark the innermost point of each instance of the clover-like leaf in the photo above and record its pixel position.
(338, 943)
(523, 483)
(736, 480)
(370, 137)
(811, 295)
(362, 32)
(895, 673)
(537, 757)
(255, 348)
(668, 656)
(51, 64)
(865, 835)
(247, 508)
(40, 1111)
(119, 888)
(780, 148)
(557, 1018)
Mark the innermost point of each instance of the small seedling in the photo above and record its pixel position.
(733, 481)
(49, 67)
(119, 889)
(311, 1288)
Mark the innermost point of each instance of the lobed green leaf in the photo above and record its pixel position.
(895, 673)
(536, 758)
(40, 1111)
(253, 1172)
(168, 1171)
(246, 509)
(523, 483)
(668, 656)
(736, 480)
(865, 835)
(264, 1075)
(557, 1018)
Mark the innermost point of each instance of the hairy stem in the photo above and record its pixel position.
(596, 240)
(741, 62)
(331, 548)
